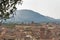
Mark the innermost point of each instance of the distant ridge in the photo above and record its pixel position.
(25, 15)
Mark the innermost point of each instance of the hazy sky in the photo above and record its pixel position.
(45, 7)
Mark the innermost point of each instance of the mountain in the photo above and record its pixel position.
(25, 15)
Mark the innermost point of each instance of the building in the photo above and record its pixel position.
(31, 31)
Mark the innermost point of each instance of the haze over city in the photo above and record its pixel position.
(45, 7)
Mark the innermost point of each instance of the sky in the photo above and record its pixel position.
(49, 8)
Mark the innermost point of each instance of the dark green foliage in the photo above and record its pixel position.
(7, 7)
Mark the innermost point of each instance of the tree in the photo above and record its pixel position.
(7, 8)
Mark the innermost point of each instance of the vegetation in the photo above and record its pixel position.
(7, 8)
(11, 26)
